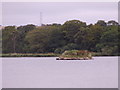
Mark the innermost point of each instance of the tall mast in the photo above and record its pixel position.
(40, 18)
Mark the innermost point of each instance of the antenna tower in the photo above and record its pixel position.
(40, 18)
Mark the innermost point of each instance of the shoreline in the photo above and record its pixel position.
(40, 55)
(29, 55)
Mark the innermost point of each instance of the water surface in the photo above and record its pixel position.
(47, 72)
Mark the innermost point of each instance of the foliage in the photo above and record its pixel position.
(29, 55)
(76, 54)
(9, 36)
(101, 37)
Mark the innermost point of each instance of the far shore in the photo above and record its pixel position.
(42, 55)
(29, 55)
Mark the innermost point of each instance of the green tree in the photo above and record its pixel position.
(70, 28)
(45, 39)
(22, 31)
(9, 39)
(109, 41)
(112, 22)
(101, 23)
(56, 39)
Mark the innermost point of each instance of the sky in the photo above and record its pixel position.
(22, 13)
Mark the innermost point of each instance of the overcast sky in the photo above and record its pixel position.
(21, 13)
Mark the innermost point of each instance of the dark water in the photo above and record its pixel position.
(47, 72)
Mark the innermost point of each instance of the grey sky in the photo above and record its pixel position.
(21, 13)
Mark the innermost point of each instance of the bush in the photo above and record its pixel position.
(110, 50)
(77, 53)
(57, 51)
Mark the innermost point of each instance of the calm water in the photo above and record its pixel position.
(47, 72)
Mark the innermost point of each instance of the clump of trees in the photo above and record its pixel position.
(101, 37)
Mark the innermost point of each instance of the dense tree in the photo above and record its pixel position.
(70, 28)
(45, 39)
(23, 30)
(101, 23)
(56, 39)
(82, 38)
(26, 28)
(109, 41)
(112, 22)
(9, 42)
(37, 40)
(74, 34)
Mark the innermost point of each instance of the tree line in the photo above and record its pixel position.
(100, 37)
